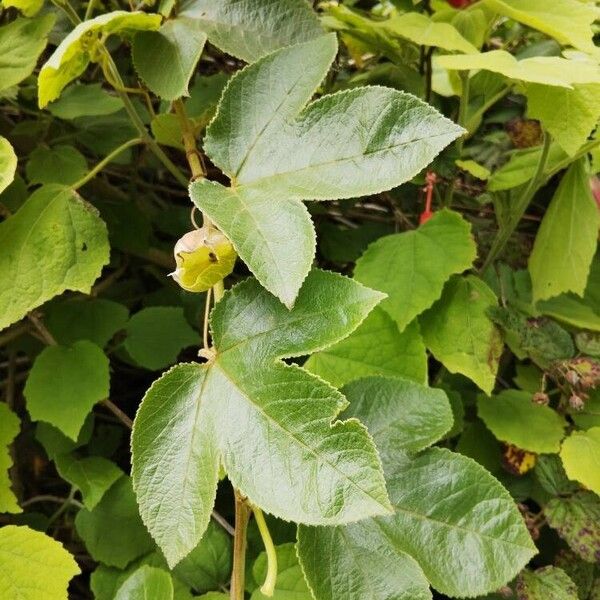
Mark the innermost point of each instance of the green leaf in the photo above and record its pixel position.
(208, 565)
(580, 454)
(402, 416)
(567, 21)
(542, 340)
(577, 520)
(84, 100)
(369, 565)
(250, 29)
(82, 46)
(9, 429)
(29, 8)
(568, 115)
(352, 143)
(589, 415)
(300, 466)
(569, 309)
(166, 59)
(93, 476)
(412, 267)
(156, 335)
(547, 582)
(93, 319)
(459, 333)
(21, 43)
(290, 584)
(33, 565)
(55, 242)
(56, 443)
(146, 583)
(8, 163)
(567, 238)
(61, 164)
(113, 532)
(551, 475)
(474, 168)
(275, 239)
(442, 501)
(64, 384)
(547, 70)
(375, 348)
(513, 417)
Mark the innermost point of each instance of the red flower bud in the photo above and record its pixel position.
(459, 3)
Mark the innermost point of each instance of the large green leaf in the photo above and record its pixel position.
(145, 584)
(8, 163)
(29, 8)
(547, 582)
(568, 115)
(83, 45)
(567, 238)
(64, 384)
(451, 516)
(270, 424)
(9, 429)
(85, 100)
(402, 416)
(548, 70)
(166, 59)
(60, 164)
(580, 454)
(290, 584)
(55, 242)
(34, 565)
(568, 21)
(412, 267)
(577, 520)
(513, 417)
(250, 29)
(92, 475)
(21, 43)
(113, 531)
(460, 334)
(353, 143)
(375, 348)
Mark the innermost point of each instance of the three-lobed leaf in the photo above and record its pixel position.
(268, 423)
(55, 242)
(348, 144)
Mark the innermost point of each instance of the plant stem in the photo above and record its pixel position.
(242, 516)
(563, 164)
(520, 206)
(105, 161)
(268, 587)
(189, 141)
(115, 410)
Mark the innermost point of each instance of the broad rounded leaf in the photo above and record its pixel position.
(156, 335)
(548, 70)
(580, 454)
(146, 583)
(113, 532)
(375, 348)
(402, 416)
(451, 516)
(21, 43)
(64, 384)
(81, 46)
(544, 583)
(243, 404)
(577, 520)
(567, 238)
(513, 417)
(249, 29)
(85, 100)
(8, 163)
(55, 242)
(166, 59)
(9, 429)
(412, 267)
(34, 565)
(460, 334)
(60, 164)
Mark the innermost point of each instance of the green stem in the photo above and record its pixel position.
(242, 516)
(69, 11)
(520, 206)
(563, 164)
(268, 587)
(90, 9)
(106, 161)
(189, 141)
(470, 126)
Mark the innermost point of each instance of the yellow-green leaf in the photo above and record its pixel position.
(9, 429)
(580, 454)
(34, 566)
(29, 8)
(8, 163)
